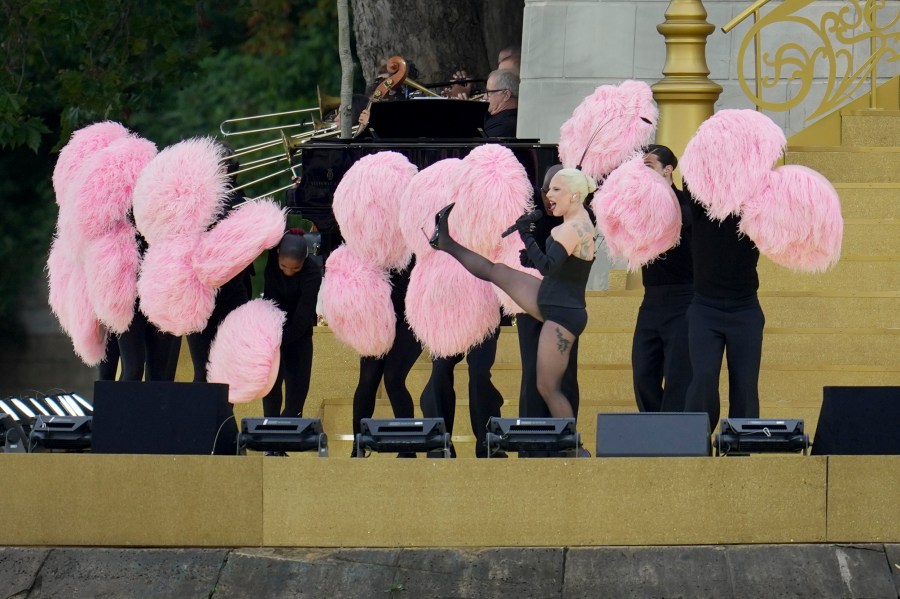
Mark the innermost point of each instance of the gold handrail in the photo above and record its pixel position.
(753, 8)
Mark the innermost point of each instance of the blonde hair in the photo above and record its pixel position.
(578, 181)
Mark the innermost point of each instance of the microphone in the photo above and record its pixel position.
(533, 217)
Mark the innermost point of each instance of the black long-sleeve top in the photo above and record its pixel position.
(675, 267)
(724, 260)
(295, 295)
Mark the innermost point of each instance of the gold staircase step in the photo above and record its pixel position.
(870, 128)
(851, 273)
(869, 200)
(871, 237)
(844, 165)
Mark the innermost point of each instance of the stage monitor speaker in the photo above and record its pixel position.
(163, 418)
(653, 434)
(858, 421)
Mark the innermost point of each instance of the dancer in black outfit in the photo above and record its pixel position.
(660, 360)
(394, 366)
(724, 314)
(292, 279)
(558, 299)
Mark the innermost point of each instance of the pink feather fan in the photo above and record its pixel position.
(172, 296)
(111, 265)
(83, 144)
(246, 352)
(427, 192)
(638, 213)
(103, 187)
(448, 309)
(61, 267)
(491, 191)
(181, 191)
(796, 220)
(237, 240)
(367, 205)
(356, 301)
(726, 160)
(607, 127)
(88, 334)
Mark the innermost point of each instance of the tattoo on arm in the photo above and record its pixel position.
(562, 344)
(585, 233)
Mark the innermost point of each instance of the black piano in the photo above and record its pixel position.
(424, 130)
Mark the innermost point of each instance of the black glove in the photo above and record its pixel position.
(525, 224)
(524, 260)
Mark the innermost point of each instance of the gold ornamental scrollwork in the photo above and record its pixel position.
(837, 33)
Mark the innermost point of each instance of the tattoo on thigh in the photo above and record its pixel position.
(562, 344)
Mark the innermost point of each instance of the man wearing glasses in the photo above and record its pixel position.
(502, 95)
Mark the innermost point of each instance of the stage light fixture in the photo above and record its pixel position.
(71, 433)
(402, 435)
(282, 434)
(14, 438)
(743, 436)
(532, 434)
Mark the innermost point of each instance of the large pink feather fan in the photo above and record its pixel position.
(491, 191)
(61, 267)
(638, 213)
(509, 254)
(427, 192)
(103, 187)
(237, 240)
(607, 127)
(88, 334)
(246, 351)
(448, 309)
(796, 220)
(172, 296)
(181, 191)
(725, 162)
(367, 206)
(356, 302)
(111, 264)
(84, 142)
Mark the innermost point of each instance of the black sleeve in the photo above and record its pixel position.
(304, 318)
(548, 261)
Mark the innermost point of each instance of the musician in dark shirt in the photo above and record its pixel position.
(502, 95)
(292, 280)
(660, 361)
(724, 314)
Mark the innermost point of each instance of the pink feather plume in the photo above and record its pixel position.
(103, 187)
(61, 267)
(237, 240)
(367, 206)
(181, 191)
(246, 351)
(724, 164)
(427, 192)
(356, 301)
(172, 296)
(610, 125)
(111, 264)
(87, 333)
(638, 213)
(796, 221)
(84, 143)
(448, 309)
(491, 191)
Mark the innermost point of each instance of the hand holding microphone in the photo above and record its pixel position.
(525, 223)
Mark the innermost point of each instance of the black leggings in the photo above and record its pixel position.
(294, 371)
(394, 367)
(144, 344)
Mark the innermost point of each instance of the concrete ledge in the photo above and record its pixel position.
(713, 572)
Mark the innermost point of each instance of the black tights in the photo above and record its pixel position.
(394, 367)
(294, 370)
(143, 344)
(555, 341)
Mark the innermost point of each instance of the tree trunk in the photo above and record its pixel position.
(346, 68)
(437, 37)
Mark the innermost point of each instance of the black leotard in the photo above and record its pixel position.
(561, 294)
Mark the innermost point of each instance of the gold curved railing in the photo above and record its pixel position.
(838, 33)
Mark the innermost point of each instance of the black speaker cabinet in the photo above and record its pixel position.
(858, 421)
(163, 418)
(653, 434)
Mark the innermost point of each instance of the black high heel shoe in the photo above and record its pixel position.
(440, 220)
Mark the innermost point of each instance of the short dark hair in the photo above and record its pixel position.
(293, 245)
(665, 155)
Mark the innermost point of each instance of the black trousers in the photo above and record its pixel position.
(394, 368)
(660, 359)
(294, 371)
(717, 326)
(109, 367)
(531, 404)
(143, 345)
(439, 397)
